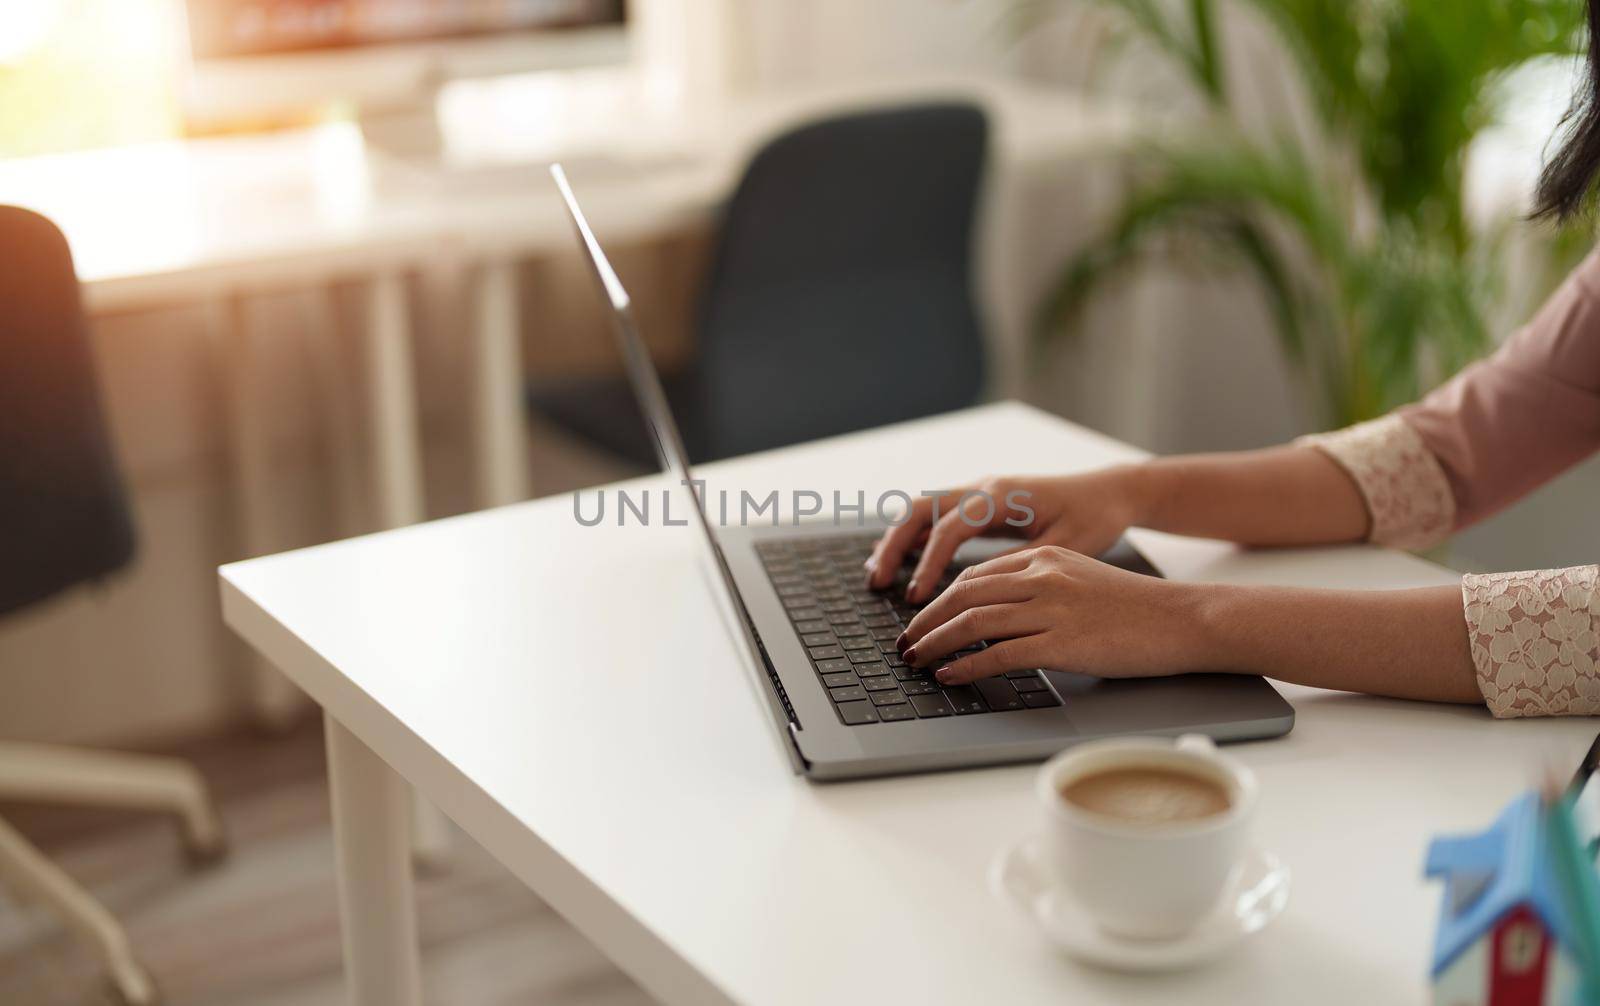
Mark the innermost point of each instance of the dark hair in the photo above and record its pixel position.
(1567, 181)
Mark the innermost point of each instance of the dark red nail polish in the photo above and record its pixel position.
(900, 642)
(911, 654)
(943, 674)
(911, 590)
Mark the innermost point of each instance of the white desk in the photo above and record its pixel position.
(567, 695)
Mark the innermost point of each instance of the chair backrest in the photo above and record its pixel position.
(64, 516)
(840, 291)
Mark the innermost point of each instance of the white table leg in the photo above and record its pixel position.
(397, 444)
(501, 446)
(331, 377)
(378, 910)
(275, 702)
(397, 469)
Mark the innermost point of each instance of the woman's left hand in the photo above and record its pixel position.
(1050, 607)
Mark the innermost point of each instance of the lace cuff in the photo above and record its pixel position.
(1405, 489)
(1534, 641)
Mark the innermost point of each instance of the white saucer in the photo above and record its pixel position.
(1257, 895)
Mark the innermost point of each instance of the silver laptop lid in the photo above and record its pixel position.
(635, 357)
(658, 417)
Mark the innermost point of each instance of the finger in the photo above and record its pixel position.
(1014, 561)
(994, 621)
(918, 542)
(891, 548)
(896, 542)
(965, 593)
(948, 534)
(1023, 653)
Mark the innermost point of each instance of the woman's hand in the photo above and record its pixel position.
(1054, 608)
(1085, 513)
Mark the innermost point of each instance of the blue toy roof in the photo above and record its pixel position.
(1488, 874)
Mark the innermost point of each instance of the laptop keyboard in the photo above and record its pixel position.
(849, 630)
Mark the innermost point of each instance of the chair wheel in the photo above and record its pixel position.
(132, 986)
(205, 843)
(202, 854)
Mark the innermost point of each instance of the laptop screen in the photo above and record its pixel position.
(635, 356)
(657, 413)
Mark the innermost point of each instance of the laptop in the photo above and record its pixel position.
(819, 645)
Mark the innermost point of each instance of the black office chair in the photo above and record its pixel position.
(65, 521)
(839, 296)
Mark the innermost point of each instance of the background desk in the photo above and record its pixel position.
(219, 219)
(569, 697)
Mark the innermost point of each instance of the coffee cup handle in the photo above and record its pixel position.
(1197, 743)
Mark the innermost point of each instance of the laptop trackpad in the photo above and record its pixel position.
(1177, 704)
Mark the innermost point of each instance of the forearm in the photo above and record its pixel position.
(1405, 643)
(1276, 496)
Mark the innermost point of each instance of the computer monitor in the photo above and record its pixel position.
(261, 59)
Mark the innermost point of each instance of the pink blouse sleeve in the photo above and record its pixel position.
(1497, 430)
(1512, 422)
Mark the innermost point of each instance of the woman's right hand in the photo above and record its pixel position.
(1086, 513)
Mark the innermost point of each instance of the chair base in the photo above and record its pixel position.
(50, 773)
(53, 774)
(26, 870)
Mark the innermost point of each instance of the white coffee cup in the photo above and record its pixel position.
(1146, 880)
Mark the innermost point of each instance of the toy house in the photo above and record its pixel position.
(1516, 925)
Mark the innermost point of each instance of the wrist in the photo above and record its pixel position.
(1145, 487)
(1212, 626)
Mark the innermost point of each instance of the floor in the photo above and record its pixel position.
(262, 928)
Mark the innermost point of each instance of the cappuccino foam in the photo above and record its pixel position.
(1147, 795)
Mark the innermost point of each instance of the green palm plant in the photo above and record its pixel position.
(1357, 237)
